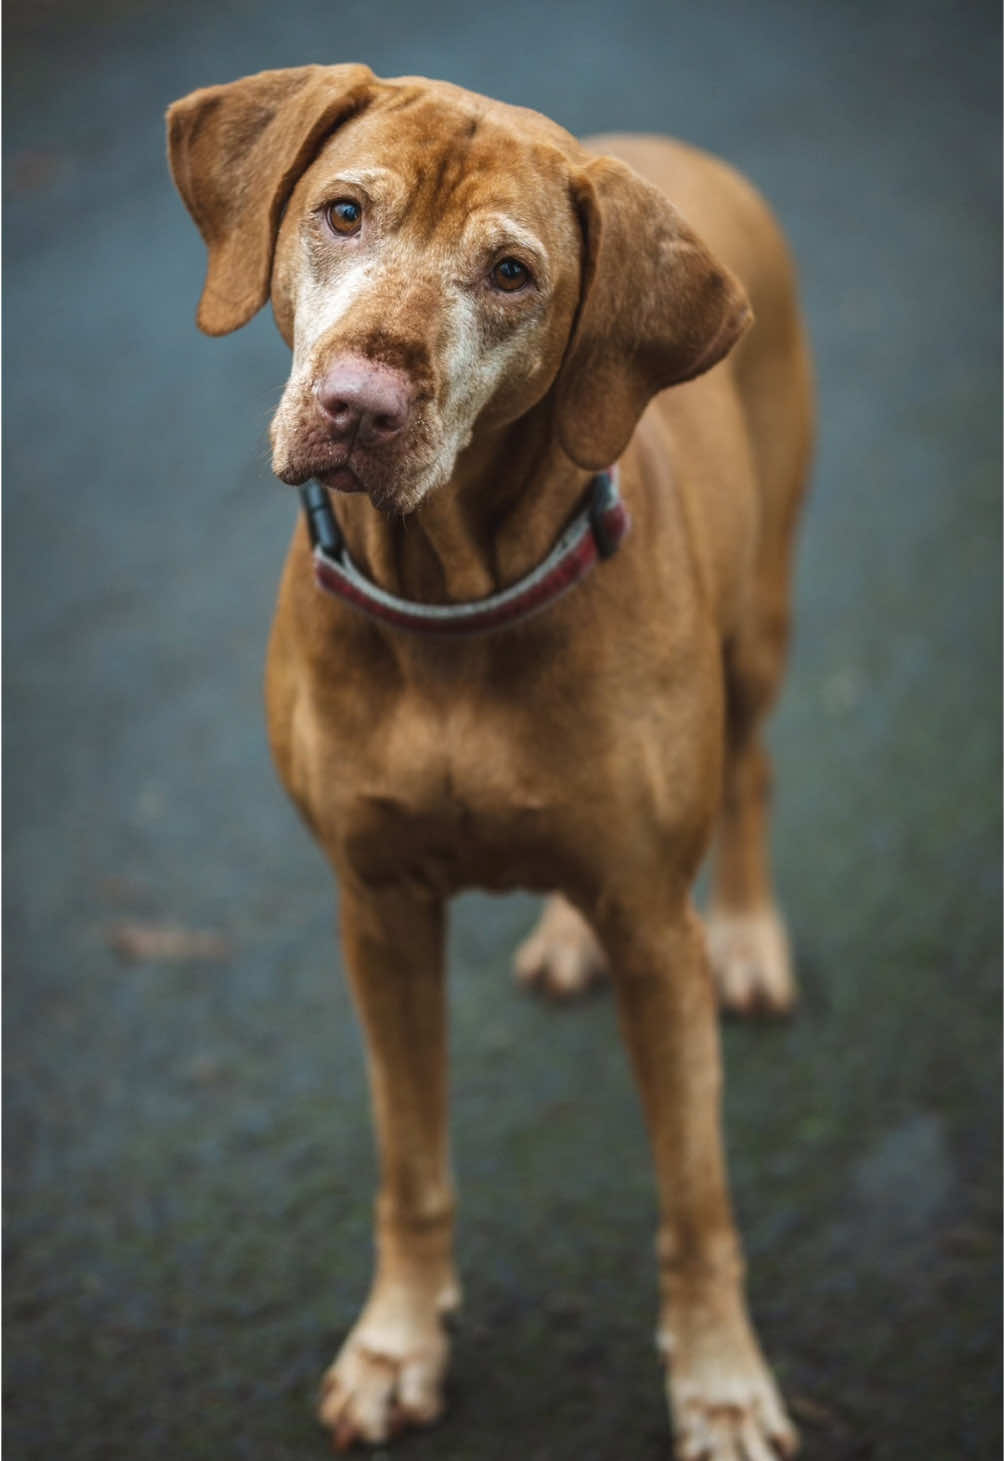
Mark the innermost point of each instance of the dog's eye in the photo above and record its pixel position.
(510, 275)
(344, 216)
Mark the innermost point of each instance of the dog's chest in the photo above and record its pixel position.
(455, 791)
(455, 797)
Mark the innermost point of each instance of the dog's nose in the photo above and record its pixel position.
(368, 401)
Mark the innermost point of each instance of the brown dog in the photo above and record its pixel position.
(480, 311)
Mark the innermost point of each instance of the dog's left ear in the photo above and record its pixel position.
(236, 153)
(655, 310)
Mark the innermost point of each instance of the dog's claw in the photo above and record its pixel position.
(343, 1436)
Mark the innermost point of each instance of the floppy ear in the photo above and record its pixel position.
(655, 309)
(236, 153)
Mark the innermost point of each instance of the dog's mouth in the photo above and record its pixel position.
(302, 460)
(353, 472)
(337, 466)
(341, 478)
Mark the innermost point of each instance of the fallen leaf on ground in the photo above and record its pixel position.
(165, 943)
(812, 1413)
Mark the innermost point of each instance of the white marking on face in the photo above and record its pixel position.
(321, 303)
(476, 359)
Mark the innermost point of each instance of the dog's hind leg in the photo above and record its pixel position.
(390, 1370)
(748, 944)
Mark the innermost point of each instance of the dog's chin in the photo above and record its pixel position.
(397, 498)
(389, 492)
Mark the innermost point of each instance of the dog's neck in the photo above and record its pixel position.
(511, 493)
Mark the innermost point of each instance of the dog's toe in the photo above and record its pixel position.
(356, 1400)
(751, 961)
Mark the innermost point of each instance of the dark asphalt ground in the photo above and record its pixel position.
(187, 1156)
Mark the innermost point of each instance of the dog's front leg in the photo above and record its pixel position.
(722, 1397)
(390, 1370)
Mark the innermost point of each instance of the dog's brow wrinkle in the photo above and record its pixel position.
(451, 170)
(365, 176)
(405, 98)
(437, 182)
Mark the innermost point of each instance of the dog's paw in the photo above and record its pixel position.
(387, 1377)
(561, 957)
(751, 962)
(756, 1430)
(724, 1403)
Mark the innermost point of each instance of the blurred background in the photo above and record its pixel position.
(187, 1157)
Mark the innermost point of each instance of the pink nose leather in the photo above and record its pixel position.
(365, 401)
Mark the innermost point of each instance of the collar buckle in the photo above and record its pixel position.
(603, 497)
(322, 528)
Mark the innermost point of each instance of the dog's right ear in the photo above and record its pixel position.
(236, 153)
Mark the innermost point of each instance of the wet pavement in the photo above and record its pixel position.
(187, 1156)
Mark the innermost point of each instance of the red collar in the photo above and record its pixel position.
(595, 532)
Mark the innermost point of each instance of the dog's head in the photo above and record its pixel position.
(438, 263)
